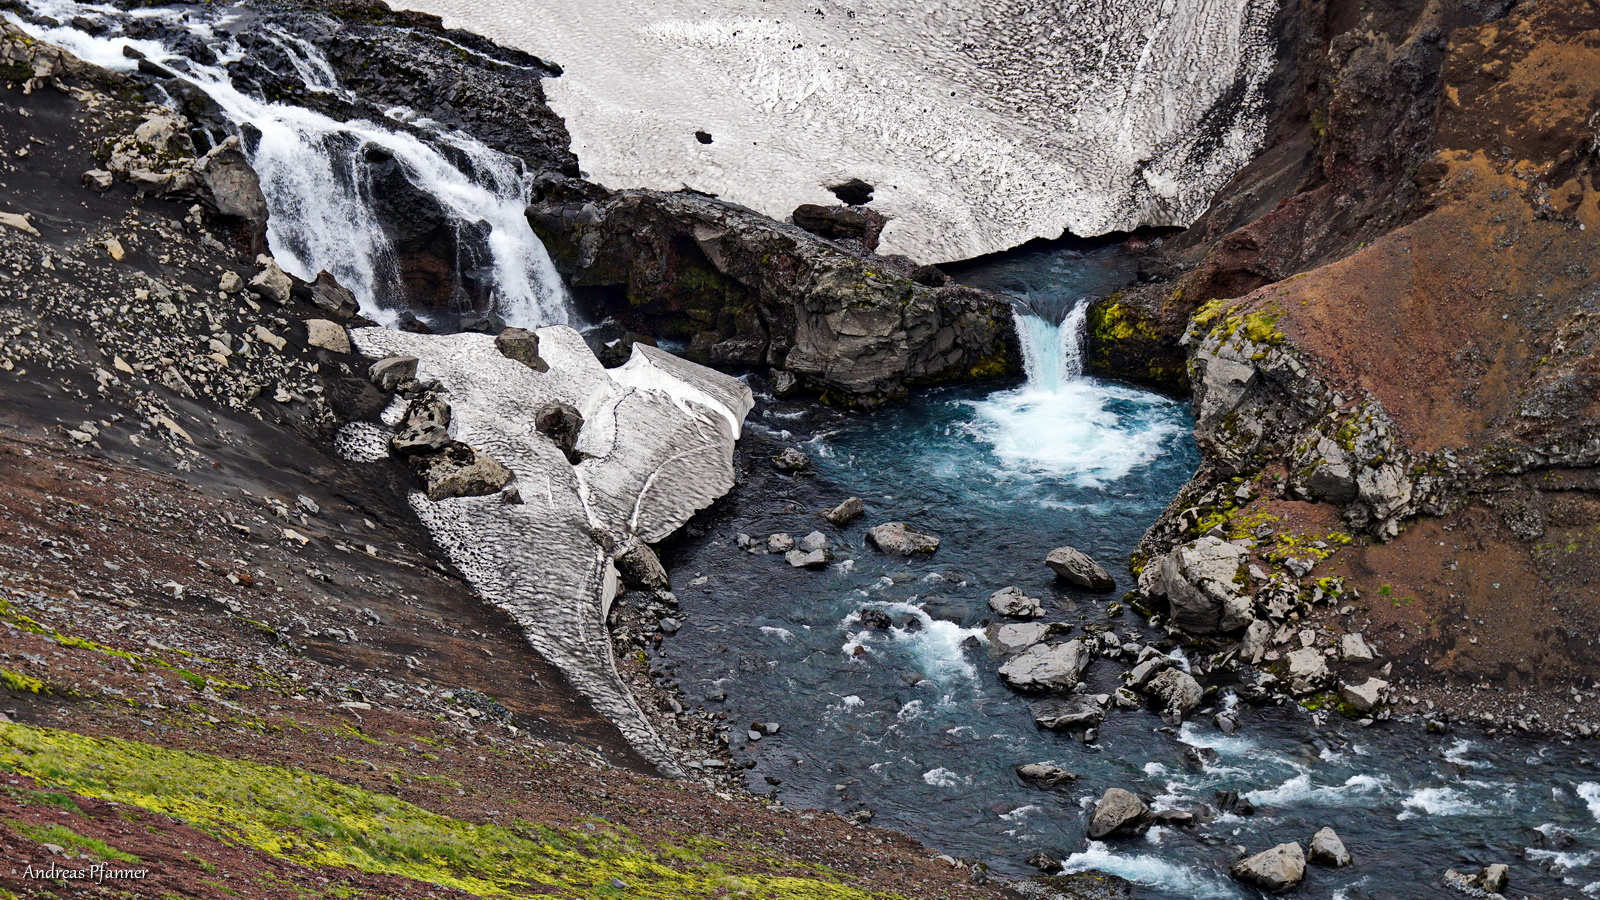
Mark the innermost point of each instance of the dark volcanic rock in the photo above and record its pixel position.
(854, 192)
(327, 294)
(845, 222)
(562, 424)
(522, 346)
(744, 290)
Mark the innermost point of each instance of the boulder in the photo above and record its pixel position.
(1175, 691)
(1018, 636)
(874, 618)
(1118, 813)
(791, 460)
(1045, 775)
(230, 189)
(562, 424)
(1494, 877)
(1076, 568)
(460, 471)
(814, 541)
(844, 222)
(809, 559)
(1276, 870)
(1308, 671)
(1328, 850)
(328, 295)
(1354, 648)
(779, 543)
(1047, 667)
(1011, 601)
(1074, 713)
(1254, 645)
(389, 374)
(896, 538)
(1147, 669)
(641, 568)
(271, 283)
(326, 335)
(522, 346)
(425, 428)
(1199, 579)
(846, 512)
(98, 180)
(1366, 696)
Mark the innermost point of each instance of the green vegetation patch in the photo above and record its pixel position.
(68, 839)
(320, 822)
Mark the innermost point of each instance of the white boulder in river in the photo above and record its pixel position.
(656, 446)
(1276, 870)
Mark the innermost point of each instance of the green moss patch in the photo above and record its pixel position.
(320, 822)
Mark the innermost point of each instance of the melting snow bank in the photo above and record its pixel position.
(659, 436)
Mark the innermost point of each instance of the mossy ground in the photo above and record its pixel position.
(319, 822)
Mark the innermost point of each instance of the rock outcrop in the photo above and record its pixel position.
(745, 290)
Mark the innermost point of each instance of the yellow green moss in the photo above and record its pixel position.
(9, 614)
(320, 822)
(22, 684)
(71, 840)
(1112, 321)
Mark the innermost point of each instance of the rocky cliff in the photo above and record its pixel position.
(744, 290)
(1388, 324)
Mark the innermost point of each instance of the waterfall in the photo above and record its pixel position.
(318, 175)
(1052, 355)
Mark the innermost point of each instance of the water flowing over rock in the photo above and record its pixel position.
(1276, 870)
(658, 446)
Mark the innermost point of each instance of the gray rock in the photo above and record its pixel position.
(1077, 712)
(328, 295)
(1308, 671)
(1254, 645)
(1078, 569)
(327, 335)
(389, 374)
(846, 512)
(791, 460)
(784, 384)
(522, 346)
(1018, 636)
(1119, 813)
(425, 428)
(1494, 878)
(460, 471)
(1175, 690)
(1046, 667)
(229, 187)
(1366, 696)
(809, 559)
(896, 538)
(1275, 871)
(563, 425)
(1328, 850)
(1354, 648)
(779, 543)
(816, 540)
(98, 179)
(1200, 583)
(1045, 775)
(1011, 601)
(271, 283)
(1141, 674)
(230, 282)
(641, 568)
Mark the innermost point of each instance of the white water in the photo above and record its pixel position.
(315, 176)
(1063, 424)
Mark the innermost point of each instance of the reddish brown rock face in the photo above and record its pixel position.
(1450, 275)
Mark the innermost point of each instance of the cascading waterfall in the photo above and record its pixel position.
(317, 175)
(1064, 424)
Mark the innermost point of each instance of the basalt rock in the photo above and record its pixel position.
(1200, 581)
(745, 290)
(843, 222)
(1047, 667)
(328, 295)
(460, 471)
(1045, 775)
(846, 512)
(898, 539)
(1119, 813)
(1077, 568)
